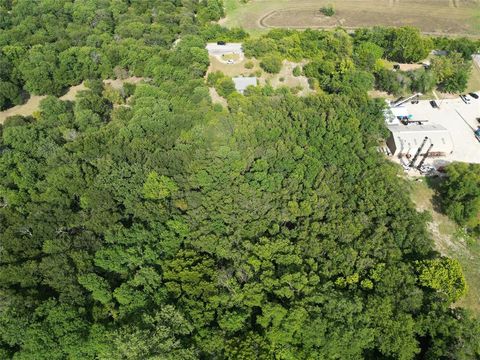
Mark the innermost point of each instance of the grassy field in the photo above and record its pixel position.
(452, 17)
(451, 241)
(474, 81)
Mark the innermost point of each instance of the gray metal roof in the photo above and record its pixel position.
(241, 83)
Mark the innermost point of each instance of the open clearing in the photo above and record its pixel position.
(33, 102)
(451, 241)
(284, 78)
(449, 17)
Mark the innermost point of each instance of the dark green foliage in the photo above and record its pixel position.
(173, 229)
(460, 193)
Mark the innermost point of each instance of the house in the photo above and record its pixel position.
(242, 83)
(406, 140)
(219, 49)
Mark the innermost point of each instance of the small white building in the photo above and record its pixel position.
(216, 49)
(405, 140)
(242, 83)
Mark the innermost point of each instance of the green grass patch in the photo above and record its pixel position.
(474, 80)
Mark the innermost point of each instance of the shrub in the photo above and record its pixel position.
(214, 77)
(327, 10)
(249, 65)
(272, 63)
(297, 71)
(225, 86)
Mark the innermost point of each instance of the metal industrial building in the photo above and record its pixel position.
(406, 140)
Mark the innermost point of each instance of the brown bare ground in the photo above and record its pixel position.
(431, 16)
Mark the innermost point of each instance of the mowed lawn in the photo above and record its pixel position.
(450, 17)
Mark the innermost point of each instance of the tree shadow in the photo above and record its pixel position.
(435, 183)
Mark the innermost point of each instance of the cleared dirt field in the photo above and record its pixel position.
(449, 17)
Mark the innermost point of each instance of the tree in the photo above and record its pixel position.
(271, 63)
(409, 46)
(443, 275)
(367, 54)
(225, 86)
(452, 72)
(460, 193)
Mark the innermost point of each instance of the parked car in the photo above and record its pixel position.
(221, 43)
(230, 61)
(434, 104)
(465, 99)
(474, 95)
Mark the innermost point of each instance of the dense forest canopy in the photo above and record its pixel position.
(170, 228)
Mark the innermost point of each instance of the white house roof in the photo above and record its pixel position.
(228, 48)
(241, 83)
(409, 138)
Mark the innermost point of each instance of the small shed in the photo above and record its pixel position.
(242, 83)
(405, 140)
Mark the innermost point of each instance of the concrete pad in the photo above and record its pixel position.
(459, 119)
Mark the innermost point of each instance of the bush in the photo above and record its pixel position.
(327, 10)
(272, 63)
(214, 77)
(249, 65)
(225, 86)
(297, 71)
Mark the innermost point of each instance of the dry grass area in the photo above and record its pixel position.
(284, 78)
(216, 98)
(451, 241)
(454, 17)
(33, 102)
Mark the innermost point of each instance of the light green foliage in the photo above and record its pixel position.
(367, 54)
(443, 275)
(271, 63)
(297, 71)
(97, 286)
(452, 72)
(409, 45)
(327, 10)
(249, 64)
(158, 187)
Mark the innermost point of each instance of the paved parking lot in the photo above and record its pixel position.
(460, 120)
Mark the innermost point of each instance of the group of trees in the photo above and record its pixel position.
(337, 59)
(170, 228)
(460, 194)
(47, 46)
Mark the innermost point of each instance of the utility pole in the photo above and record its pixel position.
(412, 163)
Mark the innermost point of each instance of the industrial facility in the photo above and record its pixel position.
(433, 133)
